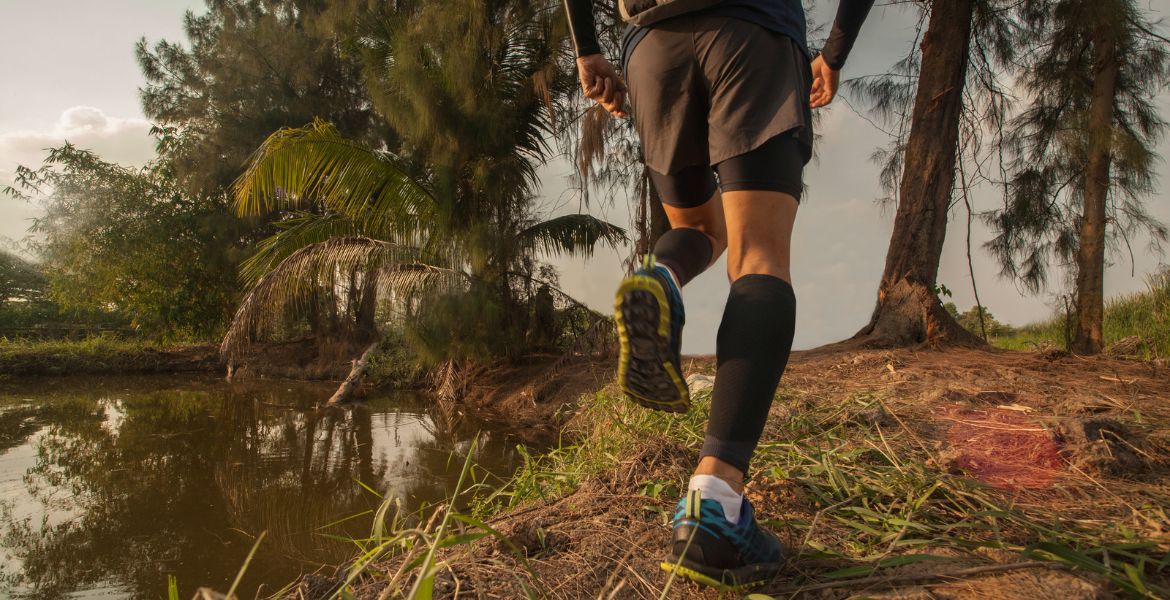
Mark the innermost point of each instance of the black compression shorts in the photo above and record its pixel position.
(776, 166)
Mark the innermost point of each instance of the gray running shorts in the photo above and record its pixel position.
(708, 89)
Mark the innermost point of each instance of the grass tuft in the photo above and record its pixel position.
(1145, 315)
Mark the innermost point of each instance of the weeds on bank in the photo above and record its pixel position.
(415, 540)
(1145, 315)
(18, 357)
(875, 497)
(864, 498)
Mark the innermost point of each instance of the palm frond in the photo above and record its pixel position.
(571, 234)
(293, 287)
(298, 166)
(300, 230)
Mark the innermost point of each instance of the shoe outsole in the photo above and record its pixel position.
(646, 371)
(727, 580)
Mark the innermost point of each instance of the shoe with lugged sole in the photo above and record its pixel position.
(649, 314)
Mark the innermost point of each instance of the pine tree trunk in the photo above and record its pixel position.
(1090, 302)
(908, 310)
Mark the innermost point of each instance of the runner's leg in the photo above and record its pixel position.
(697, 238)
(755, 336)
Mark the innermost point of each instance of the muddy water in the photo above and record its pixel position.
(110, 486)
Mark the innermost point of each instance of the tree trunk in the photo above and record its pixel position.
(351, 383)
(366, 322)
(1090, 302)
(908, 310)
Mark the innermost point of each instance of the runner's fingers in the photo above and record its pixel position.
(619, 103)
(610, 90)
(590, 87)
(820, 98)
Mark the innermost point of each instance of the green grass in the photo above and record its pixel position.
(1144, 314)
(873, 500)
(878, 500)
(94, 355)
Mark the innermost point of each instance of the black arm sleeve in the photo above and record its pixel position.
(850, 15)
(581, 27)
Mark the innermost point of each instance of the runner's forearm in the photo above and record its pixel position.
(581, 27)
(850, 16)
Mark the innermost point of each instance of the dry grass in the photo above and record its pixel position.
(868, 470)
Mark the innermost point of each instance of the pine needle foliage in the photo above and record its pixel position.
(1048, 144)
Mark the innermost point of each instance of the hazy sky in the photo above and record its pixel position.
(70, 74)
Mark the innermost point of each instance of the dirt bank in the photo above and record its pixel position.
(533, 398)
(894, 474)
(104, 358)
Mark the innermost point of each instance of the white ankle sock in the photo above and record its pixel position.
(714, 488)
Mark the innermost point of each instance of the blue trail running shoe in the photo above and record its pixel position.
(650, 318)
(710, 550)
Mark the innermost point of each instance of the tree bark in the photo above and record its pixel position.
(908, 310)
(350, 385)
(1090, 302)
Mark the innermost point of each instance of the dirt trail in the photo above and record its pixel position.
(1050, 435)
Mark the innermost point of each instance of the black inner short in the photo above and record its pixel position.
(775, 166)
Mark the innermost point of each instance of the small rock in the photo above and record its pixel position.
(698, 382)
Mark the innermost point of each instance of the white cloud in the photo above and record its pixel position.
(124, 141)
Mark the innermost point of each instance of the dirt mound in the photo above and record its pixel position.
(1101, 447)
(531, 399)
(305, 359)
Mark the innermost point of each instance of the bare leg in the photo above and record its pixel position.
(759, 241)
(707, 218)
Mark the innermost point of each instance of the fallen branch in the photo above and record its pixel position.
(358, 371)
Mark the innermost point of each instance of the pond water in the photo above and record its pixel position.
(109, 486)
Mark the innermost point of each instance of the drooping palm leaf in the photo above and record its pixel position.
(304, 229)
(295, 167)
(290, 288)
(571, 234)
(301, 230)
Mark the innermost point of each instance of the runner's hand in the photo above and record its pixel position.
(600, 81)
(824, 86)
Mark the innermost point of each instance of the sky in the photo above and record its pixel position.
(70, 75)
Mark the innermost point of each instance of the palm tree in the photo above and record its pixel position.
(381, 234)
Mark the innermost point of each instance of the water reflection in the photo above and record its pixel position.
(109, 486)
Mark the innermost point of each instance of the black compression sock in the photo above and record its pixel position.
(752, 350)
(686, 251)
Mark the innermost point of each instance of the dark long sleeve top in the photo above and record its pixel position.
(782, 16)
(581, 26)
(851, 15)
